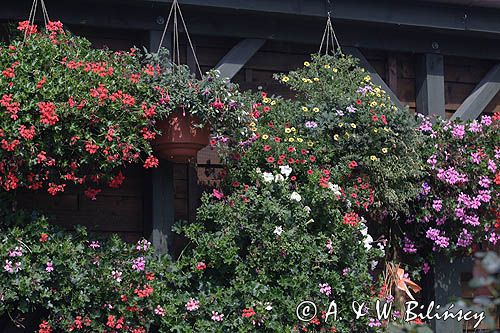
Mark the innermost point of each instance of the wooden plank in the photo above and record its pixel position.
(430, 85)
(238, 56)
(392, 72)
(481, 96)
(376, 78)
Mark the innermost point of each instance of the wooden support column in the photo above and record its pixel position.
(162, 218)
(376, 79)
(447, 289)
(430, 85)
(238, 56)
(481, 96)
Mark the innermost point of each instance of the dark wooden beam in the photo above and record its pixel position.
(415, 14)
(376, 79)
(238, 56)
(430, 85)
(481, 96)
(221, 21)
(159, 228)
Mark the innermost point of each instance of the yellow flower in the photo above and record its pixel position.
(385, 150)
(306, 63)
(300, 140)
(293, 129)
(375, 130)
(347, 135)
(316, 109)
(353, 125)
(316, 79)
(305, 109)
(310, 143)
(336, 137)
(304, 80)
(285, 79)
(335, 70)
(377, 90)
(367, 78)
(373, 158)
(378, 95)
(327, 66)
(382, 104)
(386, 129)
(253, 129)
(273, 102)
(373, 104)
(309, 81)
(291, 140)
(252, 124)
(288, 130)
(265, 137)
(341, 124)
(267, 100)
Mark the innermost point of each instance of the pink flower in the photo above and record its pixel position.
(201, 266)
(426, 268)
(49, 267)
(219, 195)
(94, 245)
(325, 288)
(192, 305)
(159, 311)
(437, 205)
(139, 264)
(216, 316)
(117, 275)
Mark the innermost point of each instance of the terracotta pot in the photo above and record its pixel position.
(180, 140)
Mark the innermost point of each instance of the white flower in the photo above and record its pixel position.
(363, 231)
(307, 209)
(285, 170)
(278, 230)
(269, 307)
(368, 242)
(295, 196)
(374, 264)
(335, 189)
(278, 178)
(381, 246)
(268, 177)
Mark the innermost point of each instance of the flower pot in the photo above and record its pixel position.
(181, 139)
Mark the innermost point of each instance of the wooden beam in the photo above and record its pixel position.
(238, 56)
(430, 85)
(376, 79)
(159, 228)
(481, 96)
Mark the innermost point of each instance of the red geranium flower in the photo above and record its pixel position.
(270, 159)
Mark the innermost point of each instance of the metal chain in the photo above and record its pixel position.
(329, 38)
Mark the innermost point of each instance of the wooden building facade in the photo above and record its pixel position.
(437, 57)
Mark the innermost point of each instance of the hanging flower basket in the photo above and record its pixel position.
(182, 137)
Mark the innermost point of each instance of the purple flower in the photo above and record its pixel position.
(346, 271)
(50, 267)
(425, 126)
(432, 234)
(426, 268)
(486, 120)
(458, 131)
(464, 239)
(484, 181)
(437, 205)
(364, 90)
(484, 195)
(17, 252)
(325, 288)
(425, 189)
(451, 176)
(143, 245)
(95, 245)
(494, 237)
(139, 264)
(492, 166)
(442, 241)
(432, 160)
(475, 127)
(311, 124)
(472, 220)
(351, 109)
(441, 220)
(409, 246)
(476, 157)
(389, 299)
(374, 323)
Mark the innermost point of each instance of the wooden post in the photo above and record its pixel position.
(158, 228)
(430, 85)
(447, 289)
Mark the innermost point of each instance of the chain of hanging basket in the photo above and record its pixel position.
(174, 14)
(31, 18)
(329, 39)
